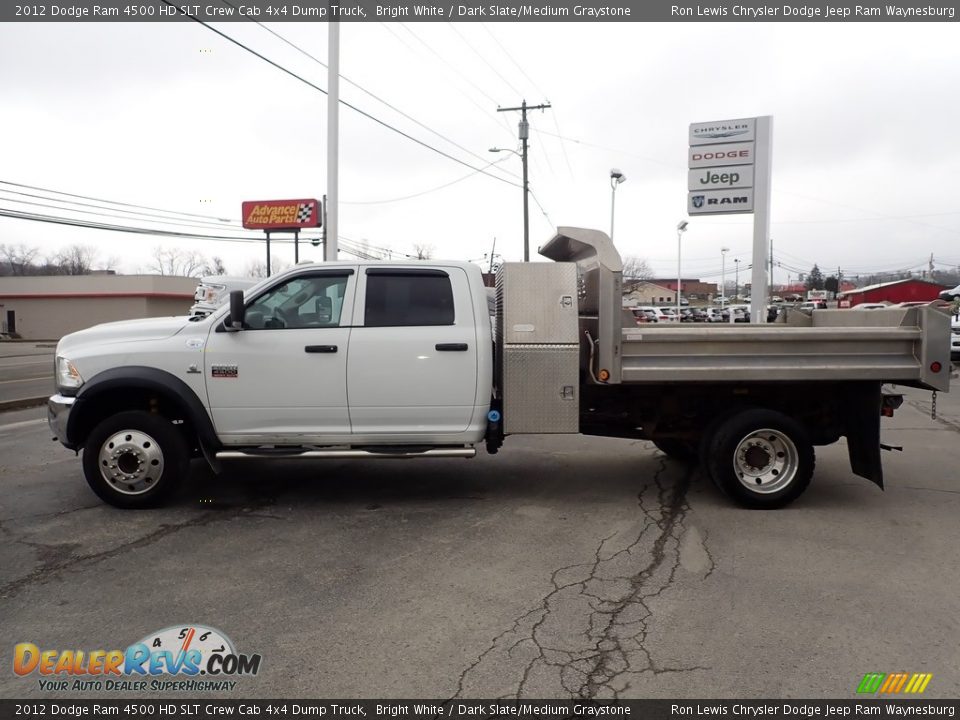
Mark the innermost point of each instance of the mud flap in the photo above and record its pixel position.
(862, 418)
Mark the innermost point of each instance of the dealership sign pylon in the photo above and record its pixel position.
(729, 166)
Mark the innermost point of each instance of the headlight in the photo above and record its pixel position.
(67, 375)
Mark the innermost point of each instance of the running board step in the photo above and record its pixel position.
(344, 454)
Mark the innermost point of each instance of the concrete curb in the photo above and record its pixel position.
(22, 403)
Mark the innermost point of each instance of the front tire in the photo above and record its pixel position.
(761, 459)
(135, 459)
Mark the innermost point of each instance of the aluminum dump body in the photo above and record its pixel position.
(909, 346)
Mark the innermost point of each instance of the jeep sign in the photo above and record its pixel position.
(717, 178)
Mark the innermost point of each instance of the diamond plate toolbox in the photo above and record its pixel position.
(538, 354)
(542, 389)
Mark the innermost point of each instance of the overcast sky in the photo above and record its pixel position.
(175, 117)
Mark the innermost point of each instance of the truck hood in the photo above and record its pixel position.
(124, 331)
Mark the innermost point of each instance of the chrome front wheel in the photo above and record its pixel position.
(135, 459)
(131, 461)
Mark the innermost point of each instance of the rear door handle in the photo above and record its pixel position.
(320, 348)
(451, 347)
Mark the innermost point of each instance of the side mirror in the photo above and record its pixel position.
(237, 311)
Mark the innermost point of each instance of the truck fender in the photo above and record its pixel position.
(136, 377)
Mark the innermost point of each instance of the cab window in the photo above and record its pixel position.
(312, 301)
(408, 298)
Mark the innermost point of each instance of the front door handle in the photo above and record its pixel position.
(320, 348)
(451, 347)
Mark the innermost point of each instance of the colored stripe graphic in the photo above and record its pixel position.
(871, 683)
(894, 683)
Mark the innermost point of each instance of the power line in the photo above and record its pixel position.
(146, 218)
(536, 87)
(363, 89)
(367, 115)
(420, 194)
(541, 207)
(445, 62)
(112, 202)
(484, 60)
(53, 219)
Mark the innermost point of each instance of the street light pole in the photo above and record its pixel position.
(723, 277)
(736, 284)
(616, 177)
(681, 228)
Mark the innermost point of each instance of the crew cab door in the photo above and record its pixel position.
(413, 352)
(283, 377)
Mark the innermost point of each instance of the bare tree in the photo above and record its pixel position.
(635, 271)
(74, 260)
(423, 251)
(258, 268)
(17, 259)
(177, 261)
(215, 266)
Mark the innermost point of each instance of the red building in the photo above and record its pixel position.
(897, 291)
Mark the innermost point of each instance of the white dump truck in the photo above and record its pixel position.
(398, 360)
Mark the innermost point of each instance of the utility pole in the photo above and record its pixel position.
(332, 228)
(524, 135)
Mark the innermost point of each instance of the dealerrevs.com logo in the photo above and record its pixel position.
(183, 657)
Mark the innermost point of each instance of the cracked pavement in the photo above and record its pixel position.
(561, 568)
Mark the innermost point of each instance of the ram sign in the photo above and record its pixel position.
(713, 202)
(281, 214)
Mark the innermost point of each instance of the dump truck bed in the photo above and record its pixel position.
(904, 346)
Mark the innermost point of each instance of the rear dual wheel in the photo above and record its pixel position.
(760, 458)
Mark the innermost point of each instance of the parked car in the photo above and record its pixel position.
(716, 315)
(955, 337)
(666, 314)
(644, 315)
(952, 294)
(911, 303)
(813, 305)
(871, 306)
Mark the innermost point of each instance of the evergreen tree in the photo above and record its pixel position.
(815, 279)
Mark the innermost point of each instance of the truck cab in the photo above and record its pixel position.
(337, 355)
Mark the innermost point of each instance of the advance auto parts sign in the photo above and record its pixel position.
(281, 214)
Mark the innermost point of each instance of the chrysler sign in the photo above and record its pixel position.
(725, 131)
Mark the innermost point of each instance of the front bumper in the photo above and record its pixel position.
(58, 411)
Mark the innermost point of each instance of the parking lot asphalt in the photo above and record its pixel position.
(565, 566)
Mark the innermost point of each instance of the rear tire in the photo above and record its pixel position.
(135, 459)
(761, 459)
